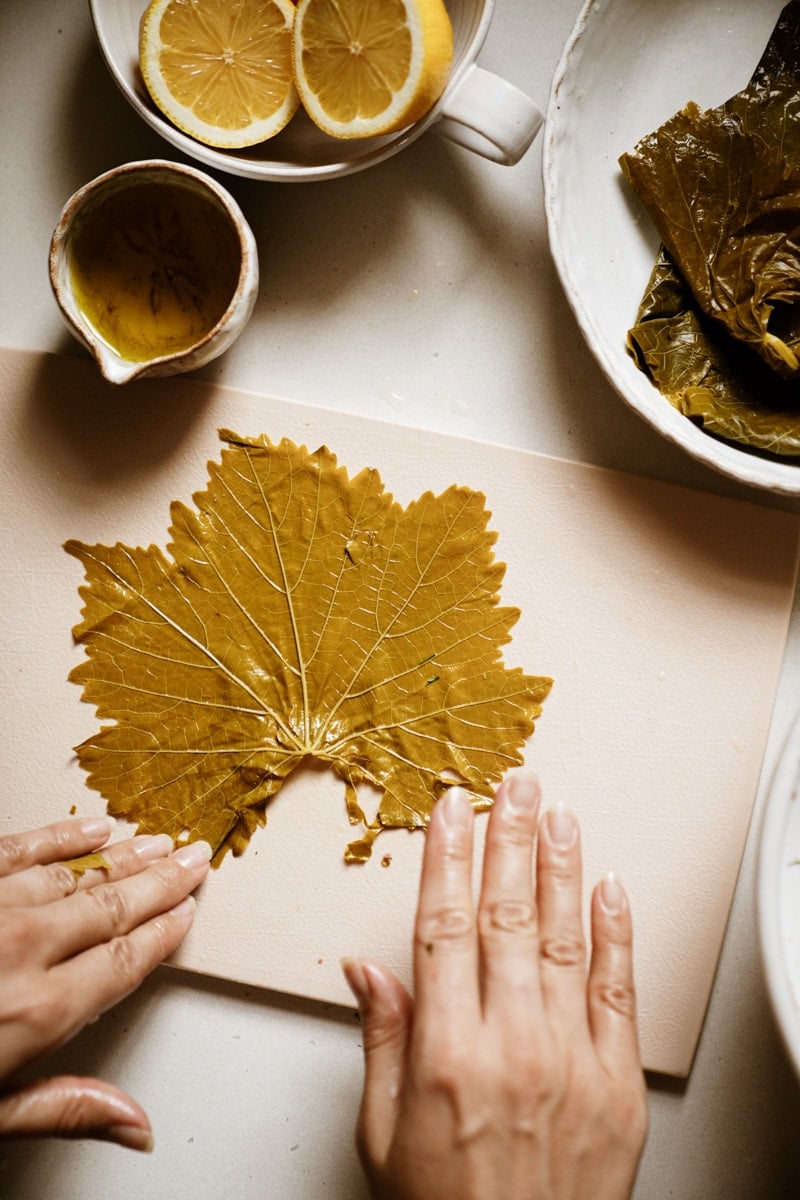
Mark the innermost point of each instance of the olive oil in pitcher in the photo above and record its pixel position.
(154, 268)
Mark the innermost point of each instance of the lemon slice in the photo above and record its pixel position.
(221, 70)
(366, 67)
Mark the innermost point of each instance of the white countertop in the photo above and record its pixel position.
(420, 291)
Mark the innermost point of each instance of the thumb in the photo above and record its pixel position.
(385, 1008)
(71, 1107)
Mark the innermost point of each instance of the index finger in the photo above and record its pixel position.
(53, 843)
(44, 882)
(445, 934)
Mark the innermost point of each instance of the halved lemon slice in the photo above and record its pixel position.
(221, 70)
(366, 67)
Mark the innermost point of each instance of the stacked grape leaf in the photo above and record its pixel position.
(718, 328)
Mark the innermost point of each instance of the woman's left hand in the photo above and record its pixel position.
(71, 947)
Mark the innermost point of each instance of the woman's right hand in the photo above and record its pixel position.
(514, 1073)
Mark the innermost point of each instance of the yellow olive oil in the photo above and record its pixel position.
(153, 269)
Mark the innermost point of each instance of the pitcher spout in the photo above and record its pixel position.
(113, 368)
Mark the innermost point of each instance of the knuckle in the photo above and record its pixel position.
(47, 1015)
(636, 1117)
(165, 935)
(61, 881)
(78, 1108)
(449, 924)
(112, 905)
(515, 831)
(538, 1083)
(171, 877)
(447, 1075)
(21, 850)
(379, 1032)
(563, 950)
(620, 934)
(559, 870)
(125, 962)
(617, 995)
(13, 853)
(507, 916)
(627, 1121)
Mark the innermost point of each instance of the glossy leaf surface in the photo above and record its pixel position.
(722, 187)
(708, 376)
(299, 614)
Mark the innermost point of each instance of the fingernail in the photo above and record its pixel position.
(196, 854)
(455, 804)
(523, 792)
(184, 907)
(562, 828)
(357, 980)
(152, 846)
(612, 895)
(132, 1136)
(96, 827)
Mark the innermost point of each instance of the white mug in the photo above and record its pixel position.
(478, 109)
(481, 110)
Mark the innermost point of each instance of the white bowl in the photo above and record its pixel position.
(478, 109)
(778, 895)
(627, 67)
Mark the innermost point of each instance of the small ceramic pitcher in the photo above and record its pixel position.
(154, 269)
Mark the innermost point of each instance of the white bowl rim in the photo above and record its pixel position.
(275, 171)
(778, 476)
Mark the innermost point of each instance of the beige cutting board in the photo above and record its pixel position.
(660, 612)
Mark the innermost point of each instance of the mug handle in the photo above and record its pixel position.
(490, 116)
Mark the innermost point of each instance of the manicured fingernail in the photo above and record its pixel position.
(523, 792)
(95, 827)
(562, 828)
(149, 847)
(456, 807)
(184, 907)
(612, 895)
(132, 1136)
(357, 980)
(193, 855)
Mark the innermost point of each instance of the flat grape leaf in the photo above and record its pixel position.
(299, 614)
(722, 187)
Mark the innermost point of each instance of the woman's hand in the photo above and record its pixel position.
(515, 1073)
(69, 949)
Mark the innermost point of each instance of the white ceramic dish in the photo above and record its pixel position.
(627, 67)
(478, 110)
(779, 895)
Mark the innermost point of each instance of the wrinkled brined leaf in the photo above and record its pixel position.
(299, 614)
(722, 187)
(707, 375)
